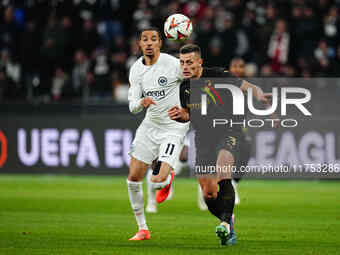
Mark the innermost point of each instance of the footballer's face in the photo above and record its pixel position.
(191, 65)
(237, 68)
(150, 43)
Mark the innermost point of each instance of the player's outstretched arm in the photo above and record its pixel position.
(179, 114)
(265, 98)
(257, 92)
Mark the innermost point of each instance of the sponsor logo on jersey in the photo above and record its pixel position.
(162, 81)
(157, 94)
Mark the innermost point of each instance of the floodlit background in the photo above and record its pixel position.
(57, 50)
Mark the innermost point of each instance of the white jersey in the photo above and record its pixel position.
(160, 82)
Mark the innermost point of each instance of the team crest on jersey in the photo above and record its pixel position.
(163, 81)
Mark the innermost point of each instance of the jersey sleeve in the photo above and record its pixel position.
(135, 92)
(185, 93)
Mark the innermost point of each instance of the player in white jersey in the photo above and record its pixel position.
(154, 85)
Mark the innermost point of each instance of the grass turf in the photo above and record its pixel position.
(92, 215)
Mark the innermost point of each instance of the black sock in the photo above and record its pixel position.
(212, 204)
(225, 200)
(156, 166)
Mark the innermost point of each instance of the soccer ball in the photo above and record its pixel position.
(177, 27)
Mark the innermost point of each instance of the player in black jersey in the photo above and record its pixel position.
(218, 147)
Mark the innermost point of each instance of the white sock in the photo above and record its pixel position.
(137, 202)
(161, 185)
(200, 199)
(237, 197)
(150, 188)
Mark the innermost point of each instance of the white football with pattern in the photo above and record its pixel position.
(177, 27)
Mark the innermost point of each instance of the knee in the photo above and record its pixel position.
(209, 194)
(134, 178)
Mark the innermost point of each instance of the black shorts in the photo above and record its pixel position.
(207, 148)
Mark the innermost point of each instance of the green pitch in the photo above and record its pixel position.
(92, 215)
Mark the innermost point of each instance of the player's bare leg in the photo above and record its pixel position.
(135, 188)
(162, 181)
(152, 204)
(209, 187)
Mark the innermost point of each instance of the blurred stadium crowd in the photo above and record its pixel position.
(56, 50)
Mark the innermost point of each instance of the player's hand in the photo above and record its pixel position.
(174, 113)
(147, 101)
(178, 114)
(266, 98)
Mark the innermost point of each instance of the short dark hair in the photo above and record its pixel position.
(237, 59)
(140, 32)
(188, 48)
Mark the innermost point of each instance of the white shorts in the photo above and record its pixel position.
(151, 142)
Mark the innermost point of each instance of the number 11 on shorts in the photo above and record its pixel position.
(169, 149)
